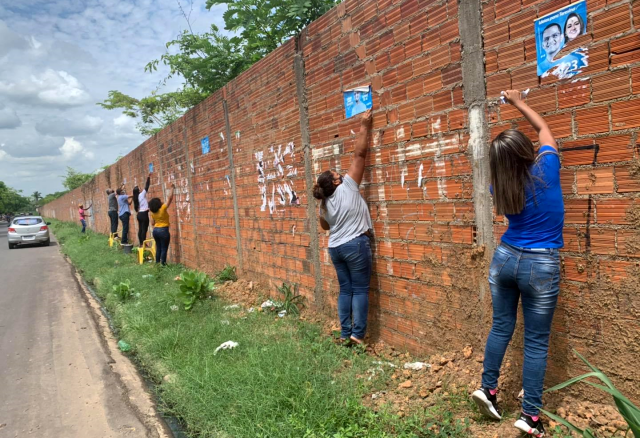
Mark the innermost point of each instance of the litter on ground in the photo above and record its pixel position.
(232, 306)
(226, 346)
(416, 366)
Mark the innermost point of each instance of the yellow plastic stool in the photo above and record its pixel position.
(112, 238)
(144, 247)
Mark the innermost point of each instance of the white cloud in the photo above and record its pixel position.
(58, 58)
(10, 40)
(72, 148)
(9, 118)
(64, 127)
(55, 88)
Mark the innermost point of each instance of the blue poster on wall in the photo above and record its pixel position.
(150, 167)
(553, 32)
(357, 101)
(205, 145)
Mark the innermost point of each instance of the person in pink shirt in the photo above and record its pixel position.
(83, 214)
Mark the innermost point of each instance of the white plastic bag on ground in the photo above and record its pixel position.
(226, 346)
(416, 366)
(267, 303)
(233, 306)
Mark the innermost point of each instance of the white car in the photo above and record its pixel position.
(25, 230)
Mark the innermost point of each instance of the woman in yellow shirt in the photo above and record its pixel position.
(160, 223)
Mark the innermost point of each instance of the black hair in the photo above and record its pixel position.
(155, 204)
(324, 187)
(136, 201)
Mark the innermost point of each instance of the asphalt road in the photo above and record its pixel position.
(57, 376)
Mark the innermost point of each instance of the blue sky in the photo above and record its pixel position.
(57, 59)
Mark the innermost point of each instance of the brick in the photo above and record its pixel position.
(551, 6)
(575, 269)
(616, 270)
(598, 58)
(524, 77)
(520, 24)
(437, 15)
(560, 124)
(592, 120)
(625, 115)
(628, 243)
(413, 47)
(626, 180)
(574, 94)
(505, 8)
(491, 62)
(612, 22)
(603, 241)
(614, 211)
(625, 50)
(576, 211)
(401, 33)
(543, 100)
(496, 35)
(511, 55)
(635, 79)
(498, 83)
(636, 13)
(615, 148)
(611, 86)
(595, 181)
(579, 152)
(567, 181)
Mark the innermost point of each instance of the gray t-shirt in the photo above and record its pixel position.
(113, 202)
(347, 213)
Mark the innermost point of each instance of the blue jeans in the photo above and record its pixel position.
(533, 275)
(84, 224)
(162, 237)
(352, 261)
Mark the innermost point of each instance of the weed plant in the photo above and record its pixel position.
(285, 379)
(227, 274)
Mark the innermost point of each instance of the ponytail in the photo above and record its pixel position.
(324, 188)
(136, 201)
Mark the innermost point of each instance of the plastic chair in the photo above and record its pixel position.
(144, 247)
(112, 238)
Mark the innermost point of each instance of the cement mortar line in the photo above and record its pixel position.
(234, 192)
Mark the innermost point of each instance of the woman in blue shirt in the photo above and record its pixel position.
(526, 264)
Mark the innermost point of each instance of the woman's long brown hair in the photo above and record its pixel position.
(510, 158)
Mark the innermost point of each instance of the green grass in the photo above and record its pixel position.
(285, 379)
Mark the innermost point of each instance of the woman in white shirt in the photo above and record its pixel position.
(142, 207)
(345, 213)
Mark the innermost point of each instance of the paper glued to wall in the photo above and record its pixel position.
(204, 143)
(557, 31)
(357, 100)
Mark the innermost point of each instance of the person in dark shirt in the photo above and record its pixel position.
(113, 210)
(526, 265)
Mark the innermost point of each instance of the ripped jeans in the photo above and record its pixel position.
(534, 276)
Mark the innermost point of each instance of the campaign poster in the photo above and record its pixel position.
(150, 167)
(554, 32)
(205, 145)
(357, 100)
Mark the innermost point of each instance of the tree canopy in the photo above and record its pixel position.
(12, 200)
(207, 61)
(74, 179)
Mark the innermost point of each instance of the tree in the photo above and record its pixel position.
(265, 24)
(208, 61)
(74, 179)
(53, 196)
(11, 200)
(36, 196)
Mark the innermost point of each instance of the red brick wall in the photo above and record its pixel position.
(419, 177)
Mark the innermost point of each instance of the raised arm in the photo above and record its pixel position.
(173, 189)
(544, 132)
(90, 205)
(148, 183)
(356, 170)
